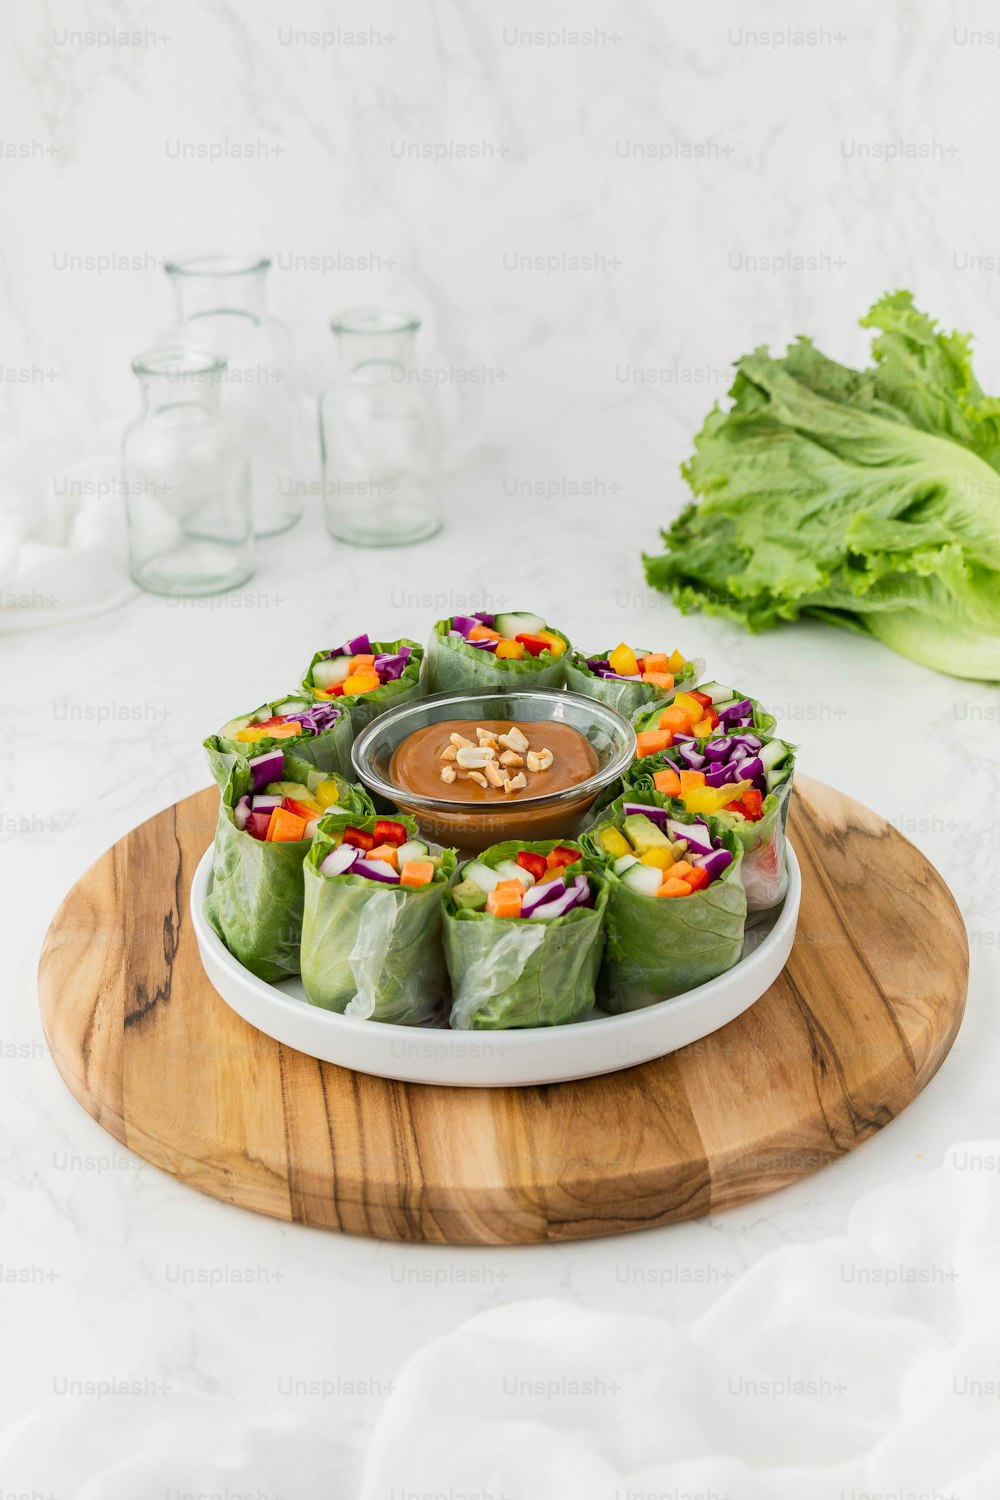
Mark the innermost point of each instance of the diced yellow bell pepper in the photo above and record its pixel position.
(661, 858)
(249, 736)
(614, 842)
(510, 650)
(623, 661)
(702, 729)
(327, 792)
(711, 799)
(676, 661)
(555, 643)
(690, 705)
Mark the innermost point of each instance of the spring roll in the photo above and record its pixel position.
(628, 679)
(371, 933)
(523, 937)
(270, 807)
(322, 734)
(476, 653)
(676, 904)
(366, 677)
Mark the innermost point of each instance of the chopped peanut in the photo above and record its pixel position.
(511, 758)
(449, 752)
(473, 758)
(493, 774)
(515, 783)
(514, 740)
(478, 778)
(447, 773)
(459, 741)
(539, 760)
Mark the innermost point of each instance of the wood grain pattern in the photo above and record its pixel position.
(861, 1018)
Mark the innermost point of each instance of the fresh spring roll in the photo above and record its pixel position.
(322, 735)
(523, 937)
(371, 934)
(269, 810)
(744, 780)
(627, 679)
(676, 904)
(472, 653)
(366, 677)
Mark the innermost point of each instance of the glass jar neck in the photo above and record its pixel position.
(210, 284)
(370, 338)
(170, 378)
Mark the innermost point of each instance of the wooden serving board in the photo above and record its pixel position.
(855, 1026)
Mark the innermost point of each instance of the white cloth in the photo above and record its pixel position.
(63, 539)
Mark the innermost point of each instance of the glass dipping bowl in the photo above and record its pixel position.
(476, 825)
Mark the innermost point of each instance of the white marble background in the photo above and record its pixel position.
(269, 1360)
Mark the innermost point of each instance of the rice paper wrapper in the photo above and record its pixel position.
(763, 869)
(329, 750)
(368, 706)
(656, 948)
(373, 951)
(453, 666)
(255, 904)
(763, 721)
(511, 972)
(627, 697)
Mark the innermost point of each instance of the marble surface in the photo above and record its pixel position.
(668, 172)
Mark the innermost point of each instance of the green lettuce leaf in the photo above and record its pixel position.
(329, 751)
(454, 667)
(869, 499)
(368, 950)
(369, 705)
(255, 904)
(509, 972)
(655, 948)
(626, 697)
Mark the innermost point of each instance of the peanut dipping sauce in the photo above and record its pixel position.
(418, 762)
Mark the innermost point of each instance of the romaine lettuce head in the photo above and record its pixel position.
(868, 498)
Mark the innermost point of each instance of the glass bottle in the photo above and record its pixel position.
(380, 431)
(186, 480)
(221, 305)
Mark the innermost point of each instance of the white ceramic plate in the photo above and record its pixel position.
(499, 1059)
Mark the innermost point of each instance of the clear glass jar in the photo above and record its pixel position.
(380, 430)
(222, 305)
(186, 479)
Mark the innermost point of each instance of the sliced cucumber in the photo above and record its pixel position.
(326, 674)
(774, 779)
(290, 706)
(772, 754)
(625, 862)
(509, 869)
(645, 879)
(518, 623)
(717, 693)
(412, 850)
(293, 789)
(486, 879)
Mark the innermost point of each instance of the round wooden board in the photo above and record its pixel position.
(861, 1018)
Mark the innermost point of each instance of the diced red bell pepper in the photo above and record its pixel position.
(388, 832)
(533, 863)
(299, 809)
(359, 839)
(257, 825)
(701, 698)
(560, 857)
(712, 716)
(533, 644)
(750, 805)
(697, 878)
